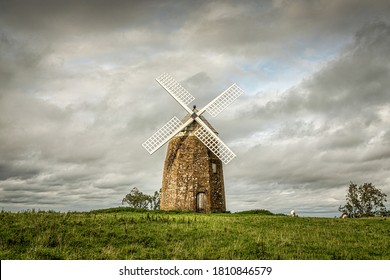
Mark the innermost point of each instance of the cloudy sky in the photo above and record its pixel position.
(78, 97)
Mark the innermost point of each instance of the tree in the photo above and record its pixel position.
(138, 199)
(364, 201)
(155, 200)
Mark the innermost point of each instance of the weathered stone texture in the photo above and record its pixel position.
(191, 168)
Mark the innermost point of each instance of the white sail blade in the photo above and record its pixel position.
(165, 133)
(179, 93)
(212, 141)
(223, 100)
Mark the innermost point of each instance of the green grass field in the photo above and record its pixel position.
(119, 234)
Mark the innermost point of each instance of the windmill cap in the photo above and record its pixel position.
(189, 116)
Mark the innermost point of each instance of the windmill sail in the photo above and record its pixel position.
(212, 141)
(204, 133)
(222, 101)
(165, 133)
(179, 93)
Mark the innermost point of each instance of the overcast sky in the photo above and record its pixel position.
(78, 97)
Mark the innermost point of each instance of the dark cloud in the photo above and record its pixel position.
(352, 86)
(91, 16)
(277, 26)
(21, 172)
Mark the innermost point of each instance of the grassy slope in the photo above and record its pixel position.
(133, 235)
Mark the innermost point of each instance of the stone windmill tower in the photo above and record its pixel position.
(193, 175)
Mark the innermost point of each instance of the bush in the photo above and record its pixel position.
(257, 211)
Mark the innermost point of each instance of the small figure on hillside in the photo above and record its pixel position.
(344, 216)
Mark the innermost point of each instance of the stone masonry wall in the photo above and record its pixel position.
(188, 170)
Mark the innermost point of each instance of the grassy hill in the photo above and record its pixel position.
(123, 234)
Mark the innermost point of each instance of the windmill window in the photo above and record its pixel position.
(214, 167)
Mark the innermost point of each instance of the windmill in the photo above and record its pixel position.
(193, 175)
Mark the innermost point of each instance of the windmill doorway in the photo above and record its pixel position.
(201, 202)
